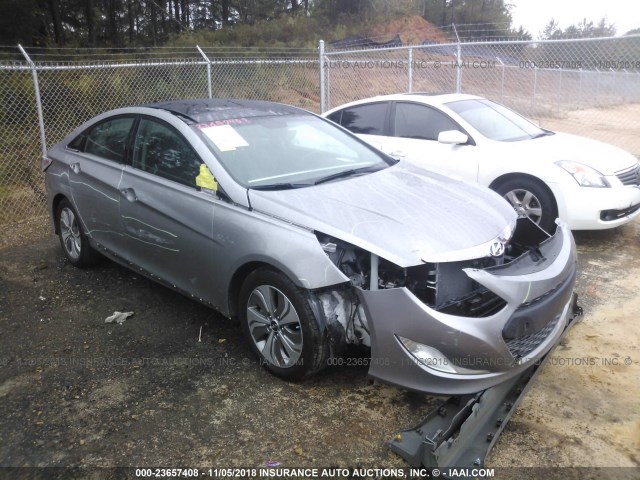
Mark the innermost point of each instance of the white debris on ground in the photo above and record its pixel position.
(118, 317)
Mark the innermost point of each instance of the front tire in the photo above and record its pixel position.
(530, 198)
(73, 241)
(278, 322)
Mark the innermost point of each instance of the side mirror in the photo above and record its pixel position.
(452, 137)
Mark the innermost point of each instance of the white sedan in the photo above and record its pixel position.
(543, 174)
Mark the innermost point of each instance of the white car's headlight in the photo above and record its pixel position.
(585, 176)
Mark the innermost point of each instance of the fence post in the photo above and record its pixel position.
(502, 80)
(535, 82)
(458, 61)
(327, 88)
(410, 86)
(36, 89)
(459, 70)
(208, 69)
(322, 92)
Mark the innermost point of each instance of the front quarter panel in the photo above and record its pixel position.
(242, 237)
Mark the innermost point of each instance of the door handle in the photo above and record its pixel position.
(75, 167)
(129, 194)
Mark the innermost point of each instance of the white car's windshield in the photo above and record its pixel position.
(287, 151)
(495, 121)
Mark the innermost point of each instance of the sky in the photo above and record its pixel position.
(533, 15)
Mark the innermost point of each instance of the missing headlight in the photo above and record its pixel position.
(442, 286)
(356, 263)
(447, 288)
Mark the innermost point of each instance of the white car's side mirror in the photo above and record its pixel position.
(453, 137)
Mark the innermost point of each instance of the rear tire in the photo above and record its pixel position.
(278, 322)
(530, 198)
(73, 241)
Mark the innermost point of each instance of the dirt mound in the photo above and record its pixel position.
(412, 30)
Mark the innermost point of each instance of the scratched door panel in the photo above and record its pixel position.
(95, 171)
(168, 229)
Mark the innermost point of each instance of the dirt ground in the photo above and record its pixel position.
(176, 386)
(616, 125)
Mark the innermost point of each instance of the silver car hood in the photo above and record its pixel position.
(403, 213)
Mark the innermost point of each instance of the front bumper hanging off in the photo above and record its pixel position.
(461, 432)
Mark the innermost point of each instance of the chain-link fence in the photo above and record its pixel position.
(21, 181)
(586, 86)
(70, 93)
(590, 87)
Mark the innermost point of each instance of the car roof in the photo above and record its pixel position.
(216, 109)
(422, 97)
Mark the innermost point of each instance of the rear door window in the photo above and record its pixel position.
(369, 119)
(108, 139)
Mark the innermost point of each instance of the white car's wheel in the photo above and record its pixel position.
(530, 198)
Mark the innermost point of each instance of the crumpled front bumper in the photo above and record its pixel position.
(538, 290)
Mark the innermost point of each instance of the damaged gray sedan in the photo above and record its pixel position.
(314, 241)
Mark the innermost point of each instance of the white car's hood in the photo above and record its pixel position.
(402, 213)
(605, 158)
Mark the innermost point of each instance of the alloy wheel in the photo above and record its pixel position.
(70, 232)
(525, 203)
(274, 326)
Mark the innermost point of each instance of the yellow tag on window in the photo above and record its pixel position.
(205, 179)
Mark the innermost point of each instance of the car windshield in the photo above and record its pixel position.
(287, 151)
(495, 121)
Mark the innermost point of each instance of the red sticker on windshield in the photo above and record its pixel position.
(226, 121)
